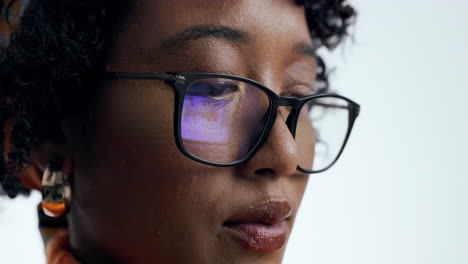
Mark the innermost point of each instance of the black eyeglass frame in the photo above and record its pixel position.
(181, 81)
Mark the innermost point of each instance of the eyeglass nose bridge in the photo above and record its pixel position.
(293, 116)
(287, 101)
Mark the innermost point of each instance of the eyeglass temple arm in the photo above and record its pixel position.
(145, 76)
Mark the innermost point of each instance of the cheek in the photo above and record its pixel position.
(141, 183)
(134, 143)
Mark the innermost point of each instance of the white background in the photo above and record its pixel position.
(399, 194)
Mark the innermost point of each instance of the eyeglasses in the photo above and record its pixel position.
(222, 120)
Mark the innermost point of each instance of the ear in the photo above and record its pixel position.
(40, 157)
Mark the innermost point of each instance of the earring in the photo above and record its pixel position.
(56, 193)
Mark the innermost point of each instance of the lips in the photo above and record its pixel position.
(262, 227)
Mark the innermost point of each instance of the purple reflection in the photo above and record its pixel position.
(204, 119)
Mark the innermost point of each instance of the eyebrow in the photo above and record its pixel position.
(206, 31)
(224, 33)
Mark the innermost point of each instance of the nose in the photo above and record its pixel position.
(278, 156)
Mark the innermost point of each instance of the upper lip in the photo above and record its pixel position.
(268, 212)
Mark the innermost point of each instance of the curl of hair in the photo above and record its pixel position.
(58, 47)
(329, 20)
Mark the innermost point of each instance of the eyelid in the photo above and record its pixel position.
(205, 86)
(299, 90)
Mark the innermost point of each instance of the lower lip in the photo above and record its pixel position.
(258, 236)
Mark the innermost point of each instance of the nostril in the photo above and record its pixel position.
(265, 171)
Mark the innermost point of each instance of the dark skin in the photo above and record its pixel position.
(135, 196)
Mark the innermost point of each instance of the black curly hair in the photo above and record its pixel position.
(57, 49)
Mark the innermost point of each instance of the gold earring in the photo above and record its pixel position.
(56, 193)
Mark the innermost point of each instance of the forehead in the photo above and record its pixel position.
(264, 19)
(233, 11)
(276, 31)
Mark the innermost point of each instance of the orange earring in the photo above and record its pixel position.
(56, 193)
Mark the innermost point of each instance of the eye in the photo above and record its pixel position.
(216, 89)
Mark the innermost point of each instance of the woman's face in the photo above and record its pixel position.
(136, 196)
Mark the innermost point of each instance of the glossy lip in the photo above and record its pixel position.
(262, 227)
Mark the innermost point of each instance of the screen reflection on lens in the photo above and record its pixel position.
(222, 119)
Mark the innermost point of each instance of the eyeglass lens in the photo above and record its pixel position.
(321, 132)
(223, 119)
